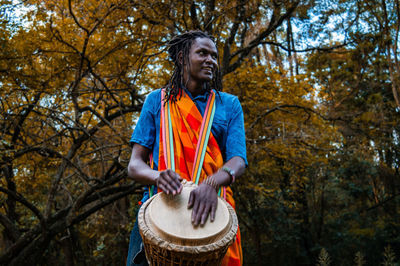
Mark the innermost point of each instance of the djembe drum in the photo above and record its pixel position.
(170, 238)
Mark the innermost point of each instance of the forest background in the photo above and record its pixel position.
(319, 85)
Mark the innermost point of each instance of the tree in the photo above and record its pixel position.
(73, 74)
(321, 123)
(68, 84)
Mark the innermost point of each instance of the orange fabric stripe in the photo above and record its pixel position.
(186, 123)
(233, 256)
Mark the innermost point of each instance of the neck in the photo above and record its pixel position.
(195, 88)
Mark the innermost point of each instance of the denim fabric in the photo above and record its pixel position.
(136, 256)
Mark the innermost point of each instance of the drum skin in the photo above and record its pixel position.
(170, 238)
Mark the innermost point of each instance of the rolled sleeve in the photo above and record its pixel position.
(145, 130)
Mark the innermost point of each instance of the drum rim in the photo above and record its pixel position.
(148, 235)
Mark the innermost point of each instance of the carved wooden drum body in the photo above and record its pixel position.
(170, 238)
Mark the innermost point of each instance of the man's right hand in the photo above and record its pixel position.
(169, 182)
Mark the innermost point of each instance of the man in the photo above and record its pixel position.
(190, 100)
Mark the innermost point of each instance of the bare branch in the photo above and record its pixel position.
(102, 203)
(193, 15)
(11, 229)
(210, 7)
(240, 9)
(75, 19)
(281, 108)
(322, 49)
(275, 21)
(16, 196)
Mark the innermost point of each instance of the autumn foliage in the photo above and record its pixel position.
(319, 85)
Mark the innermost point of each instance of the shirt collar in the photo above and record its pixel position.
(201, 97)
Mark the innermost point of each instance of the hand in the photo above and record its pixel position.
(169, 182)
(204, 200)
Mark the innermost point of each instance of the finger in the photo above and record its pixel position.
(180, 189)
(165, 180)
(195, 211)
(199, 213)
(177, 182)
(204, 215)
(180, 186)
(164, 184)
(160, 184)
(191, 200)
(213, 210)
(173, 180)
(162, 187)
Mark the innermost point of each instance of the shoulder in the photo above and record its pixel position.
(153, 100)
(228, 100)
(154, 96)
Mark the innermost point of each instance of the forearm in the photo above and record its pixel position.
(206, 196)
(138, 169)
(236, 164)
(141, 172)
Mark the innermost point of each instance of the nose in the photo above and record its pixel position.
(211, 60)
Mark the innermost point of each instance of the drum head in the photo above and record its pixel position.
(170, 218)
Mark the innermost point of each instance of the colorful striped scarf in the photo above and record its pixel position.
(185, 124)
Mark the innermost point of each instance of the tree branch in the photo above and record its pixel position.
(16, 196)
(10, 228)
(74, 17)
(275, 21)
(280, 108)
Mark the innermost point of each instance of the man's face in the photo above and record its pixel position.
(202, 61)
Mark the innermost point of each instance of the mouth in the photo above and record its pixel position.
(208, 69)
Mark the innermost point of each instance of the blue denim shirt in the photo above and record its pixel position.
(227, 127)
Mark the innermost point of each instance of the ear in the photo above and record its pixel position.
(180, 58)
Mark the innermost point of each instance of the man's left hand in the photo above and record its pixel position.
(204, 201)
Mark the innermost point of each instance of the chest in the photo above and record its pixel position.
(220, 124)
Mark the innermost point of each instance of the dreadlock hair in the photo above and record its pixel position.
(182, 44)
